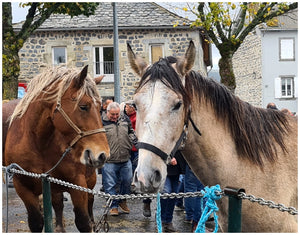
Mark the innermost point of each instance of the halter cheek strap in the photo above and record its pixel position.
(80, 134)
(164, 156)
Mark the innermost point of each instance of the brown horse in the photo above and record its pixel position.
(229, 142)
(7, 110)
(59, 111)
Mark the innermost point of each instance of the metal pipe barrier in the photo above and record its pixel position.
(235, 197)
(47, 206)
(234, 209)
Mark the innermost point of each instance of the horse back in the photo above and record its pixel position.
(7, 110)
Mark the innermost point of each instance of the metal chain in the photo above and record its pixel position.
(270, 204)
(242, 195)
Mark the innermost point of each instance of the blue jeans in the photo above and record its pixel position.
(192, 204)
(179, 201)
(167, 205)
(117, 174)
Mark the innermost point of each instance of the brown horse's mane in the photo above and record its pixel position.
(255, 130)
(51, 84)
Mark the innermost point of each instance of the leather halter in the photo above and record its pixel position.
(180, 142)
(80, 134)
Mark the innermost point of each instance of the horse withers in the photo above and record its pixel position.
(226, 141)
(60, 111)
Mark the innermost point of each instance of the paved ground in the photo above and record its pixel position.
(134, 222)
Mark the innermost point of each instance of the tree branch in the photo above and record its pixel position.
(219, 29)
(210, 32)
(242, 22)
(30, 28)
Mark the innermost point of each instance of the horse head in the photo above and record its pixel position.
(76, 117)
(162, 113)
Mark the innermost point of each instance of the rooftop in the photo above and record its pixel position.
(130, 15)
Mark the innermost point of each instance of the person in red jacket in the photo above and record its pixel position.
(131, 113)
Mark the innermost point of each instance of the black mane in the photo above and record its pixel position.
(163, 71)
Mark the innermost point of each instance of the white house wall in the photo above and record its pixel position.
(272, 68)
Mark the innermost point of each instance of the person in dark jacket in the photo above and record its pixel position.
(174, 169)
(118, 170)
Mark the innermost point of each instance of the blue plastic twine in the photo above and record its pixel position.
(210, 207)
(158, 214)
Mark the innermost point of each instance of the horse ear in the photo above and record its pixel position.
(136, 62)
(80, 79)
(98, 79)
(185, 64)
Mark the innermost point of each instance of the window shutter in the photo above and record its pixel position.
(296, 86)
(156, 52)
(278, 87)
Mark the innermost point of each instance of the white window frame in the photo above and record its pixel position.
(53, 58)
(287, 49)
(278, 87)
(150, 50)
(108, 77)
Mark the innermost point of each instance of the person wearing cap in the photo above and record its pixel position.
(117, 171)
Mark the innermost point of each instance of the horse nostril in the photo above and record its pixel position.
(102, 157)
(157, 176)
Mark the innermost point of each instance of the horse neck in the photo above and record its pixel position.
(38, 120)
(214, 149)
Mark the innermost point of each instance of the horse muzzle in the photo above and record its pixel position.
(92, 160)
(151, 183)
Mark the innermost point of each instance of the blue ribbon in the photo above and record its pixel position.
(210, 207)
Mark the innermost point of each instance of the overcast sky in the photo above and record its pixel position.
(20, 13)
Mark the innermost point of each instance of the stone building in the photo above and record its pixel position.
(78, 41)
(266, 64)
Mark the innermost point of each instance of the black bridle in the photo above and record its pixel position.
(180, 142)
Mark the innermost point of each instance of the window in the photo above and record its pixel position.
(286, 49)
(104, 63)
(59, 55)
(156, 52)
(286, 87)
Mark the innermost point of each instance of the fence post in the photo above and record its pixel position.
(234, 209)
(47, 204)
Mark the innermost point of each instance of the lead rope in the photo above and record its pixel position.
(158, 214)
(210, 207)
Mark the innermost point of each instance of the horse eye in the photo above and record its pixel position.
(83, 107)
(178, 105)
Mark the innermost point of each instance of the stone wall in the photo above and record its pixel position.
(247, 66)
(37, 51)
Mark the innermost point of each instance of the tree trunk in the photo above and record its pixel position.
(10, 57)
(10, 89)
(226, 73)
(10, 72)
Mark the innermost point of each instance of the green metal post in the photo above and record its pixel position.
(47, 204)
(234, 209)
